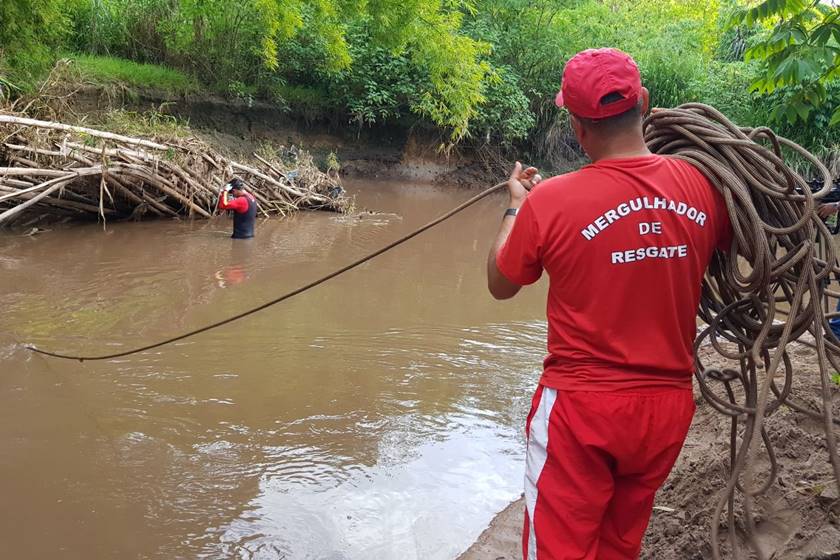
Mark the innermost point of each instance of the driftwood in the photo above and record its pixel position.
(55, 169)
(13, 120)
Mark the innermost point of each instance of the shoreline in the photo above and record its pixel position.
(502, 539)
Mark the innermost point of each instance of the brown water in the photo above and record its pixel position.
(378, 416)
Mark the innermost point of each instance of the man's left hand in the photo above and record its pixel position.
(520, 182)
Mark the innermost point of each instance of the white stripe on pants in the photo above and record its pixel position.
(535, 458)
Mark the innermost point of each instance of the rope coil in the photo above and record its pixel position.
(782, 253)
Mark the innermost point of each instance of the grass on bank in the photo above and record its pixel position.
(153, 123)
(106, 70)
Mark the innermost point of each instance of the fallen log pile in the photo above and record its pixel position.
(59, 172)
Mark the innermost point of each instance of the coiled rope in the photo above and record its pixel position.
(781, 253)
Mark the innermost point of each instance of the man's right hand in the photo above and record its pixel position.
(520, 182)
(826, 210)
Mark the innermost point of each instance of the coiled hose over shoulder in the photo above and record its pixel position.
(769, 290)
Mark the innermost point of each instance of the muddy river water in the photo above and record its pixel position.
(378, 416)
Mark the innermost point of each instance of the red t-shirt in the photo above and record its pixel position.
(238, 204)
(625, 243)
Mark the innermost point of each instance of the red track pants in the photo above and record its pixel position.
(594, 463)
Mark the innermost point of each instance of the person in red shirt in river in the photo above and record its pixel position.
(625, 241)
(244, 206)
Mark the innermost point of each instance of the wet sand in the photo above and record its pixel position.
(502, 540)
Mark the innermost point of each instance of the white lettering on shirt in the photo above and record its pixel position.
(589, 231)
(627, 208)
(642, 253)
(601, 222)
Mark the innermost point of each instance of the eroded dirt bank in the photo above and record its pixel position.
(241, 126)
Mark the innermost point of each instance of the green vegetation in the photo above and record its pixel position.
(107, 70)
(249, 47)
(800, 55)
(30, 33)
(482, 72)
(148, 123)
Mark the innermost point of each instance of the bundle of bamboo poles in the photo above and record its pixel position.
(63, 172)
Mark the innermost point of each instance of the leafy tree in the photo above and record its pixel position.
(672, 40)
(30, 32)
(237, 44)
(429, 33)
(505, 117)
(799, 53)
(480, 69)
(379, 87)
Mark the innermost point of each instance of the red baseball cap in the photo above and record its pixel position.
(591, 75)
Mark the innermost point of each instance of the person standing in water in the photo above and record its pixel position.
(234, 197)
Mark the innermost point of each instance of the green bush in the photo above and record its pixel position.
(31, 31)
(239, 46)
(673, 69)
(379, 87)
(218, 41)
(505, 117)
(814, 133)
(718, 83)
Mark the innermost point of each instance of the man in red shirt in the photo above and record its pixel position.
(625, 242)
(244, 206)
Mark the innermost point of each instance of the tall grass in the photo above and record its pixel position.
(107, 70)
